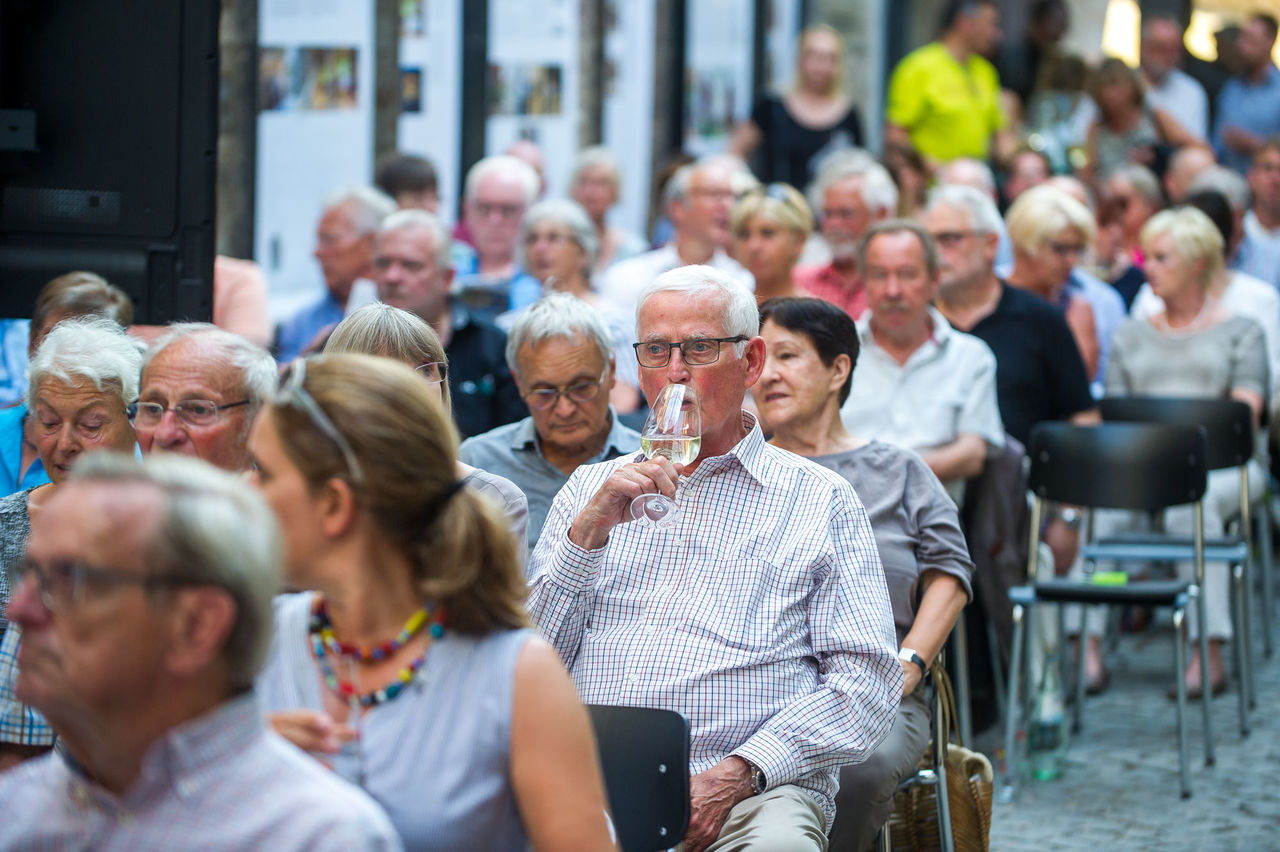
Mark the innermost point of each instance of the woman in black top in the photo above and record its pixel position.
(791, 133)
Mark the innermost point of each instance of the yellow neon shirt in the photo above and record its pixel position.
(949, 109)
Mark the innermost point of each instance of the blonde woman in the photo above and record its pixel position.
(1050, 232)
(769, 227)
(411, 664)
(1194, 347)
(794, 131)
(389, 332)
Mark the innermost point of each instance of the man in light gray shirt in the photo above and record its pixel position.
(561, 354)
(145, 607)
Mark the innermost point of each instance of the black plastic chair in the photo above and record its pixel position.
(1228, 426)
(1139, 467)
(644, 754)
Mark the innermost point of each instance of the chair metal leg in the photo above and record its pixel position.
(1245, 619)
(1206, 689)
(1013, 709)
(1180, 665)
(940, 782)
(964, 714)
(1082, 651)
(883, 842)
(997, 674)
(1263, 540)
(1238, 643)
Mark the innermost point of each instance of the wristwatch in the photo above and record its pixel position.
(1071, 516)
(909, 655)
(757, 778)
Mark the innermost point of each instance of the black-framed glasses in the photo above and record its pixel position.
(293, 391)
(193, 412)
(541, 399)
(62, 583)
(433, 371)
(697, 352)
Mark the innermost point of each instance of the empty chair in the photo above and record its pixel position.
(1138, 467)
(1229, 433)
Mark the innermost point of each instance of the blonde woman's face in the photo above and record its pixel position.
(820, 61)
(766, 248)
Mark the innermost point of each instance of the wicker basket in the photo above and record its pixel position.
(970, 780)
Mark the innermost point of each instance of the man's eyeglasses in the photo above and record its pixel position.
(193, 412)
(293, 392)
(433, 371)
(541, 399)
(62, 583)
(697, 352)
(950, 239)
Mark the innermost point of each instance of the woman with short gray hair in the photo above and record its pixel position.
(560, 244)
(83, 378)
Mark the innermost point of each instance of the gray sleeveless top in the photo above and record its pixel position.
(437, 757)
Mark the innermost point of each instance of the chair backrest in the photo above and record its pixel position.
(1140, 466)
(644, 754)
(1228, 423)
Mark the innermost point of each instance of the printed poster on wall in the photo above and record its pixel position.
(533, 82)
(315, 132)
(430, 90)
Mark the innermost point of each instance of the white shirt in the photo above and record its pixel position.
(1254, 230)
(946, 388)
(1182, 96)
(765, 619)
(622, 282)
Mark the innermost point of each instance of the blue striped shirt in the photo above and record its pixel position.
(221, 781)
(766, 622)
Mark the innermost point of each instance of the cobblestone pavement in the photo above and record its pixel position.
(1120, 787)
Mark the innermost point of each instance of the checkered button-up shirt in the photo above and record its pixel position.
(19, 723)
(765, 620)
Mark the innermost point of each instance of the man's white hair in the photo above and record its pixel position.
(404, 220)
(974, 203)
(506, 166)
(367, 205)
(876, 187)
(740, 315)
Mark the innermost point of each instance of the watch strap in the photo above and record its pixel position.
(909, 655)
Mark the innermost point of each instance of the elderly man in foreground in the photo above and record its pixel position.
(762, 615)
(145, 605)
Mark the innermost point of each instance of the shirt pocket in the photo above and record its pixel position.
(753, 605)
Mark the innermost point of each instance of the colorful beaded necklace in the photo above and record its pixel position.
(320, 632)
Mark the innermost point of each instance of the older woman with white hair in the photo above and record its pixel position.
(560, 248)
(1194, 347)
(1050, 231)
(595, 185)
(83, 378)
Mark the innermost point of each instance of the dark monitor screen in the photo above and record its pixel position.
(108, 149)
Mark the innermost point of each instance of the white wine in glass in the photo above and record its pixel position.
(673, 429)
(681, 449)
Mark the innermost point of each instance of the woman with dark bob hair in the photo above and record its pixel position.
(411, 666)
(811, 349)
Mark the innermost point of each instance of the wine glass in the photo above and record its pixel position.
(673, 429)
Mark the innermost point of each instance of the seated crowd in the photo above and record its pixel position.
(368, 610)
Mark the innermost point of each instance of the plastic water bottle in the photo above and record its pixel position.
(1047, 739)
